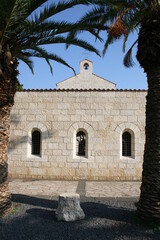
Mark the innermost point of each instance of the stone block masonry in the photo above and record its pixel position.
(103, 115)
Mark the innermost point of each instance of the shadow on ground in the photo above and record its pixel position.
(34, 219)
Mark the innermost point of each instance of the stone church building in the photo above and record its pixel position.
(85, 129)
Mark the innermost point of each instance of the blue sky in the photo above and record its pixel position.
(109, 67)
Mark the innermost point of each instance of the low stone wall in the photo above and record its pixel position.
(58, 115)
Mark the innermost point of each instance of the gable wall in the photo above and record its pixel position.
(104, 115)
(86, 81)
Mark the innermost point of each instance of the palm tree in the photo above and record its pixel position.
(23, 32)
(122, 17)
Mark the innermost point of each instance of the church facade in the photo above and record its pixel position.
(85, 129)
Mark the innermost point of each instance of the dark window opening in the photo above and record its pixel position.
(81, 144)
(36, 142)
(86, 66)
(126, 144)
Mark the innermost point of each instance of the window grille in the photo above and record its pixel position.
(126, 144)
(81, 144)
(36, 142)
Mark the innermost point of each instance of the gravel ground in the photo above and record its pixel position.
(33, 218)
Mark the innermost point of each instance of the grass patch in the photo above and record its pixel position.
(15, 208)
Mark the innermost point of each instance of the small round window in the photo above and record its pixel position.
(86, 66)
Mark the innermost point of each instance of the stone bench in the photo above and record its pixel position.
(69, 208)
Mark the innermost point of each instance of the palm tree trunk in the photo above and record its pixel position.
(149, 203)
(8, 83)
(5, 197)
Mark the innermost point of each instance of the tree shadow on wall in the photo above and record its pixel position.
(14, 119)
(35, 219)
(17, 140)
(13, 143)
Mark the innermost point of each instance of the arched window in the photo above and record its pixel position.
(81, 144)
(126, 144)
(36, 143)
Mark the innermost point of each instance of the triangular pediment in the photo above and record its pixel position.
(86, 79)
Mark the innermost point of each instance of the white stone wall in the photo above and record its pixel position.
(104, 115)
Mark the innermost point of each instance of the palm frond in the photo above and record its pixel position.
(42, 53)
(26, 60)
(109, 41)
(6, 7)
(119, 17)
(26, 30)
(50, 66)
(18, 13)
(131, 22)
(125, 40)
(13, 17)
(81, 27)
(98, 14)
(69, 41)
(128, 60)
(52, 9)
(34, 4)
(111, 9)
(60, 27)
